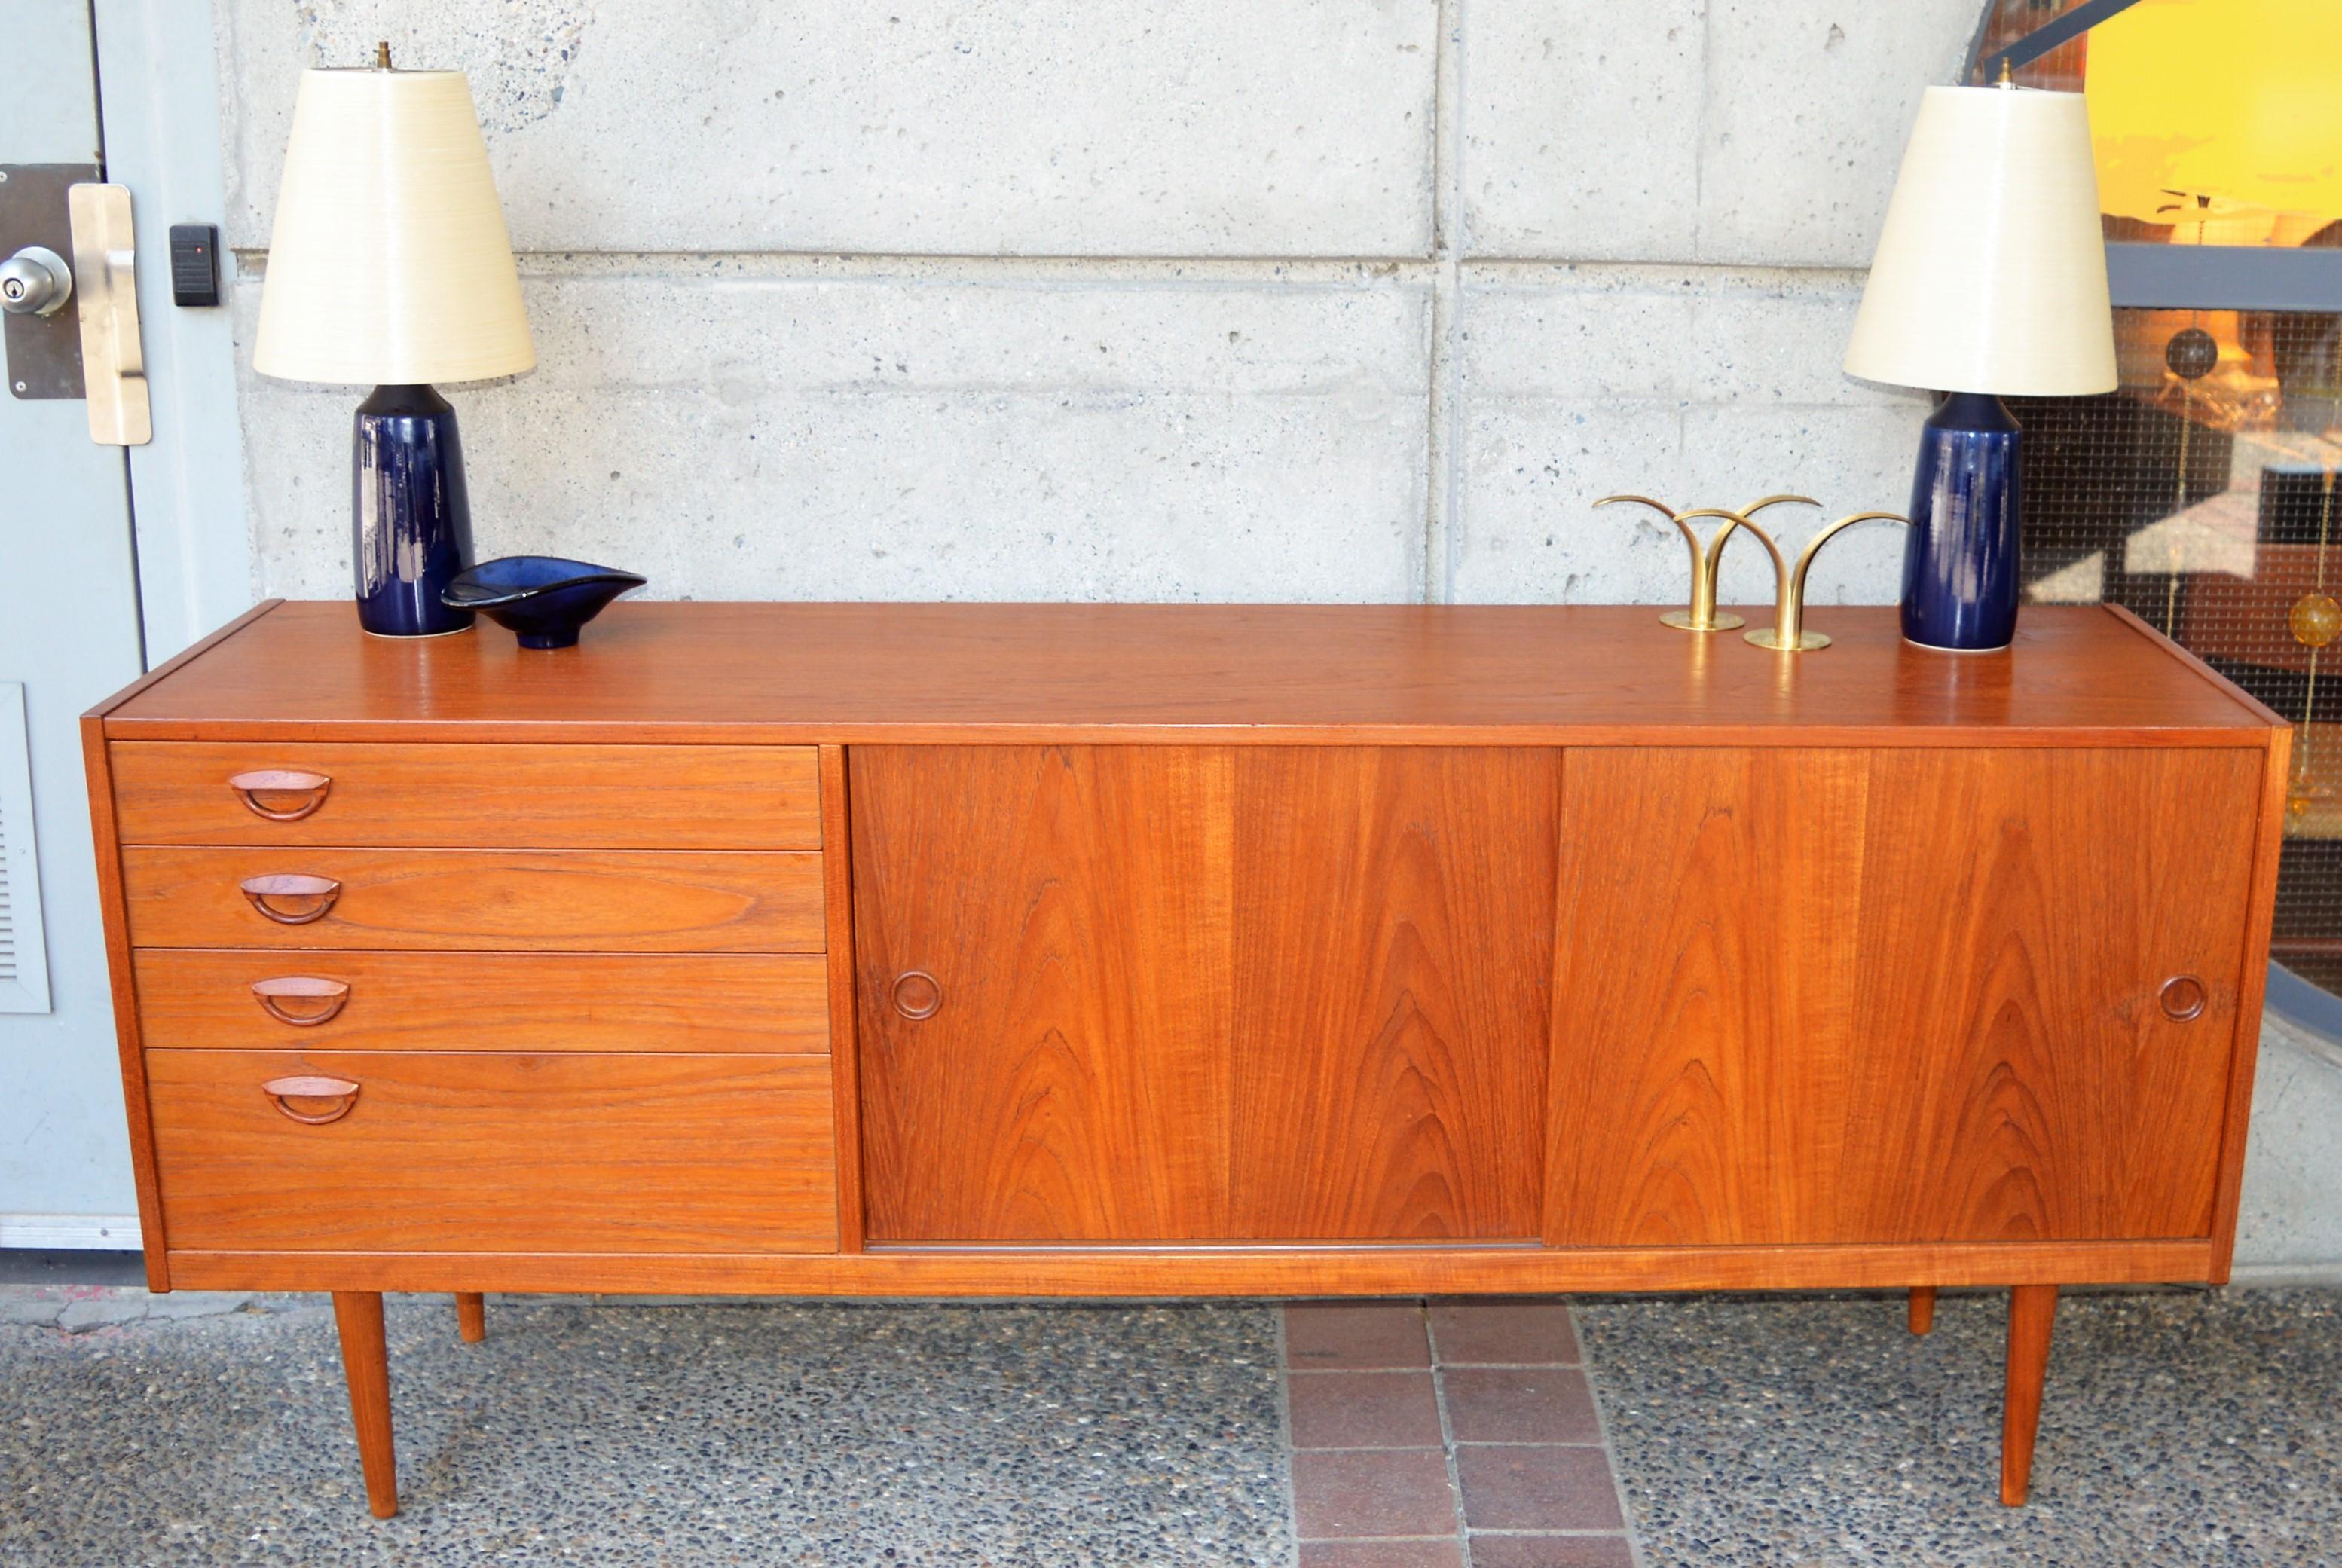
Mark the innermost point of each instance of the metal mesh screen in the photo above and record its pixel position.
(2201, 495)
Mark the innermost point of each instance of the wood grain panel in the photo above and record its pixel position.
(1702, 1046)
(1315, 674)
(1073, 904)
(2021, 913)
(490, 1153)
(1266, 1271)
(465, 796)
(633, 901)
(1897, 997)
(1393, 954)
(202, 999)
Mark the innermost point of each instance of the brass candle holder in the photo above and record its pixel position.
(1702, 615)
(1787, 634)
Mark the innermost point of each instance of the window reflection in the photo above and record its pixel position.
(2201, 494)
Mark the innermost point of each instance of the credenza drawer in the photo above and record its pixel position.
(625, 901)
(192, 999)
(462, 796)
(321, 1151)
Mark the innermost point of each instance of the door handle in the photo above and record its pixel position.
(36, 281)
(105, 290)
(43, 338)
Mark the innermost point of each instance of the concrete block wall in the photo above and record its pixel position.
(1139, 299)
(1165, 299)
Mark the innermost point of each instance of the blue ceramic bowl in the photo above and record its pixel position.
(543, 599)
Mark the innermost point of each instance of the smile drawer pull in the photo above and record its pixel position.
(310, 790)
(297, 899)
(328, 997)
(339, 1096)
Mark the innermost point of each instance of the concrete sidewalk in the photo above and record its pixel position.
(2181, 1427)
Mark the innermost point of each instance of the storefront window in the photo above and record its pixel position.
(2201, 494)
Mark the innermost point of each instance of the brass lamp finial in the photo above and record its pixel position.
(382, 55)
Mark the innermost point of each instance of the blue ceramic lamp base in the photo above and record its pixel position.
(1960, 567)
(411, 518)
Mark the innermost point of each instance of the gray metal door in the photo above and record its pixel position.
(71, 624)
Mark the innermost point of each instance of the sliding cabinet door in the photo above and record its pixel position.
(1394, 949)
(1041, 937)
(1194, 993)
(1703, 1048)
(1906, 995)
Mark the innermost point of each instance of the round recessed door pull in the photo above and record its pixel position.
(308, 792)
(312, 1102)
(303, 1001)
(290, 898)
(917, 995)
(2184, 997)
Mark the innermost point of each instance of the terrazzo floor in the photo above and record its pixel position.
(2181, 1428)
(828, 1435)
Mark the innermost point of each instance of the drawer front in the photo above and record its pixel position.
(195, 999)
(461, 796)
(454, 1152)
(629, 901)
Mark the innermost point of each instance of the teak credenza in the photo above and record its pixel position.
(1138, 950)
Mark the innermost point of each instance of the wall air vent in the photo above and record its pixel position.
(24, 957)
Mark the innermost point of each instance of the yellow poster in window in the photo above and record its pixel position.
(2222, 118)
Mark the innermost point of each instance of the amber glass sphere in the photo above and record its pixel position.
(2316, 620)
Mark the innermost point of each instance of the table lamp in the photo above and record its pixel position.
(1991, 279)
(390, 267)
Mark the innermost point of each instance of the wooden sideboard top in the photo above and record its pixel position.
(1455, 674)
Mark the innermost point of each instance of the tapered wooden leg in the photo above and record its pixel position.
(471, 1316)
(2031, 1310)
(365, 1362)
(1923, 1308)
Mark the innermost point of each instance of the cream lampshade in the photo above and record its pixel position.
(389, 261)
(1990, 278)
(390, 267)
(1991, 270)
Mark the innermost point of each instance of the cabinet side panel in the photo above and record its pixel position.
(1702, 1049)
(105, 839)
(1394, 948)
(2259, 916)
(1071, 905)
(2022, 912)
